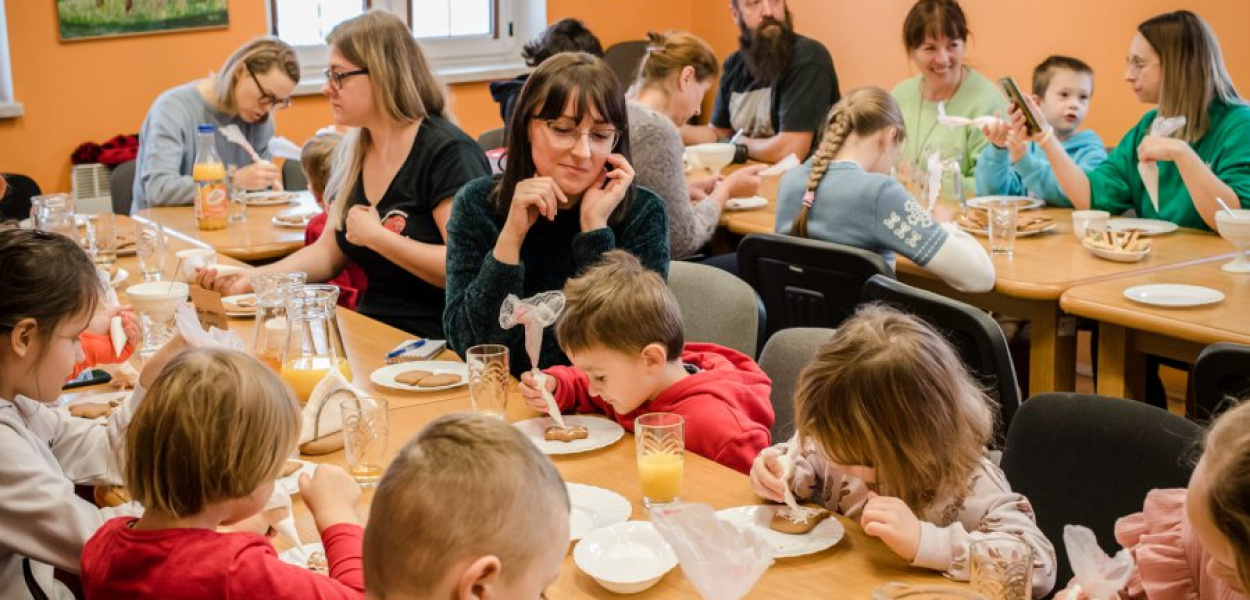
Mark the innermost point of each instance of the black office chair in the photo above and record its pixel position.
(293, 178)
(1088, 460)
(624, 58)
(783, 359)
(1219, 379)
(122, 187)
(977, 337)
(16, 201)
(804, 282)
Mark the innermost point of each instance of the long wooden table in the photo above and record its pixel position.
(254, 239)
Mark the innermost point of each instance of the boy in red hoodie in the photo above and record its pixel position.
(622, 330)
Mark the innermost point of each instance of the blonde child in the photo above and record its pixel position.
(317, 160)
(203, 452)
(622, 330)
(469, 509)
(845, 195)
(1010, 165)
(893, 431)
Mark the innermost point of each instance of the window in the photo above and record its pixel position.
(9, 107)
(465, 40)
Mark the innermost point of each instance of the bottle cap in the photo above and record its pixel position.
(207, 128)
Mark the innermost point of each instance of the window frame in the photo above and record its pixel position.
(10, 108)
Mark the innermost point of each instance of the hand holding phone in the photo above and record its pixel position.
(1013, 93)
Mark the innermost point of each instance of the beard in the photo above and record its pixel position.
(768, 48)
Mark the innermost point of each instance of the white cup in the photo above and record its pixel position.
(1086, 220)
(155, 303)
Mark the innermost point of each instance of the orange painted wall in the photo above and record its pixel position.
(92, 90)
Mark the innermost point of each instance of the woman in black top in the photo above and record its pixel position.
(393, 178)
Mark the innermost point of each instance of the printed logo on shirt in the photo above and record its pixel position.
(752, 112)
(395, 220)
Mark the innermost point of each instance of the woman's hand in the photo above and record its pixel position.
(257, 176)
(229, 285)
(1159, 148)
(744, 182)
(605, 193)
(533, 198)
(701, 187)
(364, 226)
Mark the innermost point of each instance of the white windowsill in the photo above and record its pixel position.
(11, 110)
(311, 86)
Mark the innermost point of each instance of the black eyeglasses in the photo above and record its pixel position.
(267, 98)
(336, 78)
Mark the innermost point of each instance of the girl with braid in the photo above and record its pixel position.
(845, 195)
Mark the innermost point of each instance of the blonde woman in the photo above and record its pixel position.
(893, 431)
(1174, 62)
(676, 73)
(393, 179)
(253, 83)
(844, 194)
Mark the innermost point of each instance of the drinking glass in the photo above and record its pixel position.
(97, 237)
(488, 379)
(237, 207)
(365, 429)
(660, 442)
(155, 303)
(54, 213)
(1002, 225)
(1002, 569)
(150, 249)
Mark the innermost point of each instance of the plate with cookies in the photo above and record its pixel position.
(95, 406)
(422, 375)
(582, 433)
(976, 222)
(240, 306)
(1120, 246)
(820, 531)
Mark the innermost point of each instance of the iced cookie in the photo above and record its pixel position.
(784, 521)
(556, 434)
(92, 410)
(439, 380)
(412, 377)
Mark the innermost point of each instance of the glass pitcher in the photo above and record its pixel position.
(54, 213)
(313, 343)
(269, 335)
(903, 591)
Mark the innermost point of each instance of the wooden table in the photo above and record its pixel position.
(1129, 330)
(254, 239)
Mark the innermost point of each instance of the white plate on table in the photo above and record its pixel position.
(785, 545)
(746, 203)
(101, 398)
(294, 218)
(1023, 202)
(294, 557)
(603, 433)
(239, 312)
(385, 376)
(1145, 226)
(268, 198)
(593, 508)
(1173, 295)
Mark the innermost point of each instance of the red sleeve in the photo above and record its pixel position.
(572, 389)
(344, 544)
(740, 452)
(98, 349)
(257, 572)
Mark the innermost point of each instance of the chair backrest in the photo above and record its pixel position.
(804, 282)
(783, 358)
(974, 334)
(122, 187)
(293, 177)
(717, 307)
(1088, 460)
(1220, 376)
(16, 201)
(489, 140)
(624, 58)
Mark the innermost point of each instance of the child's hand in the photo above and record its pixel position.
(1017, 147)
(153, 366)
(766, 476)
(532, 395)
(891, 520)
(260, 523)
(331, 496)
(997, 132)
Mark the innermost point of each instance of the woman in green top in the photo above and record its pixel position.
(935, 34)
(1174, 61)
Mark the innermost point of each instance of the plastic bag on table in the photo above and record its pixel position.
(191, 331)
(722, 560)
(1099, 576)
(1149, 170)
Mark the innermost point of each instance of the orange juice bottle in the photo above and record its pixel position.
(211, 198)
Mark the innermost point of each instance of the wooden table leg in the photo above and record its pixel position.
(1121, 368)
(1052, 350)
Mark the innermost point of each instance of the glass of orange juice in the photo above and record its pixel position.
(661, 448)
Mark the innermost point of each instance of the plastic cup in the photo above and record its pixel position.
(1084, 221)
(97, 236)
(488, 379)
(155, 303)
(660, 443)
(366, 425)
(1002, 223)
(1002, 569)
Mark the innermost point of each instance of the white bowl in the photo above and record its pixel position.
(1235, 229)
(625, 558)
(158, 298)
(714, 156)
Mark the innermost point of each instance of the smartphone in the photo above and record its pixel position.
(1013, 93)
(607, 168)
(88, 378)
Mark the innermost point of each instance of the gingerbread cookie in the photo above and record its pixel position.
(412, 377)
(784, 520)
(439, 380)
(566, 435)
(93, 410)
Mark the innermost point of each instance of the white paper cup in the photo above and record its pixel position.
(1086, 220)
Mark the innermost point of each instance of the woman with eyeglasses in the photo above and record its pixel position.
(253, 83)
(1174, 63)
(566, 197)
(392, 180)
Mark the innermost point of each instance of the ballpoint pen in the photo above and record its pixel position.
(405, 347)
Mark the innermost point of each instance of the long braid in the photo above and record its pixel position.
(835, 136)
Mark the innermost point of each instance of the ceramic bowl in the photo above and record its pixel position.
(625, 558)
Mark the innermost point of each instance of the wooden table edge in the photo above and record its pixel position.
(1129, 318)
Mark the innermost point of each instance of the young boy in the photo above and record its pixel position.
(316, 161)
(622, 331)
(469, 509)
(1062, 87)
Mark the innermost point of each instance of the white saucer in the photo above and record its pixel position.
(603, 433)
(271, 198)
(1173, 295)
(593, 508)
(746, 203)
(385, 376)
(1145, 226)
(785, 545)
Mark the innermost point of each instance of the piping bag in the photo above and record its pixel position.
(535, 313)
(117, 332)
(232, 133)
(1149, 170)
(796, 513)
(1099, 576)
(957, 121)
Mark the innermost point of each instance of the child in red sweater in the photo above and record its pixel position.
(202, 452)
(622, 330)
(316, 159)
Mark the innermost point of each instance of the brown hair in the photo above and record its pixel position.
(1228, 468)
(1043, 73)
(1193, 70)
(934, 19)
(570, 76)
(620, 305)
(465, 486)
(46, 277)
(889, 392)
(315, 160)
(214, 426)
(565, 35)
(671, 51)
(258, 56)
(862, 112)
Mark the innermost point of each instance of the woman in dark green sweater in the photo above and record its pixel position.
(566, 197)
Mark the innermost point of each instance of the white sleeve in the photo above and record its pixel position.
(962, 262)
(88, 452)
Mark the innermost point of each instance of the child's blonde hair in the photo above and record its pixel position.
(465, 486)
(889, 392)
(315, 159)
(620, 305)
(863, 112)
(1228, 471)
(214, 426)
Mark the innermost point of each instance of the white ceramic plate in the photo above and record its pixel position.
(294, 218)
(270, 198)
(1025, 202)
(1145, 226)
(385, 376)
(293, 557)
(290, 484)
(1174, 295)
(121, 276)
(234, 310)
(785, 545)
(594, 508)
(746, 203)
(603, 433)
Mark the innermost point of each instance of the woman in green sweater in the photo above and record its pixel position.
(1174, 62)
(565, 198)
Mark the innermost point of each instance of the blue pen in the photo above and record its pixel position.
(404, 348)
